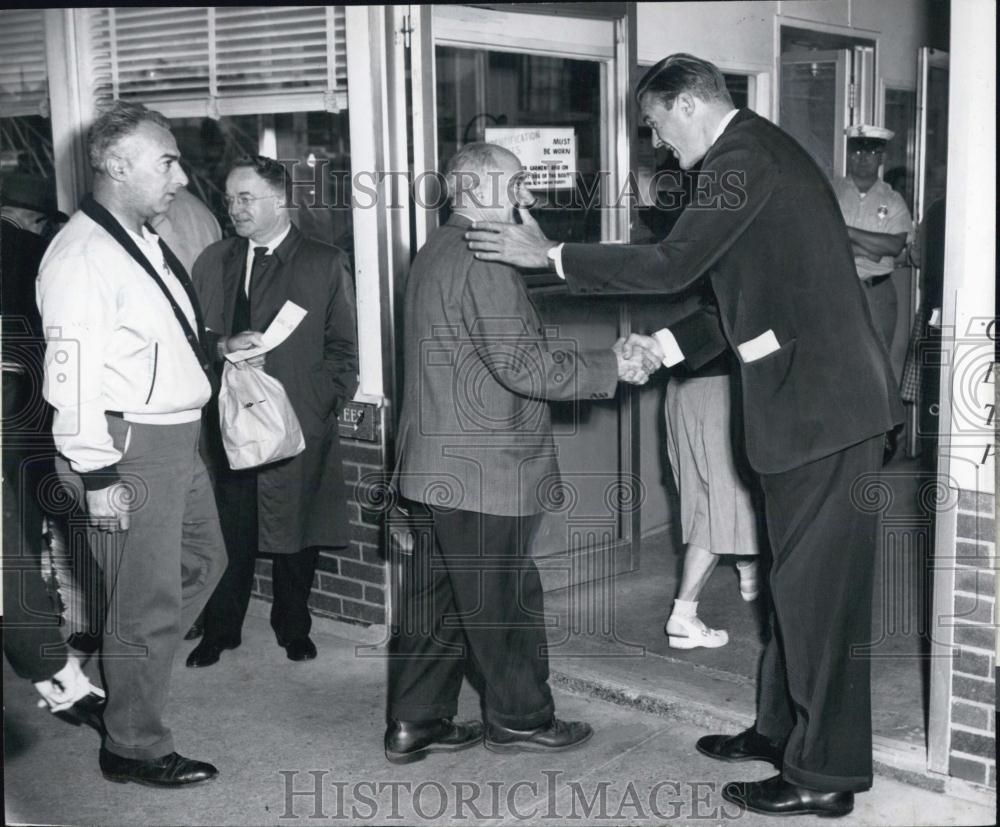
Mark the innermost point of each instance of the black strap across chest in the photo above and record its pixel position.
(195, 338)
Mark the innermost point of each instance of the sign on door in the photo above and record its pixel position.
(547, 153)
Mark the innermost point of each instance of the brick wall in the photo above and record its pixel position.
(972, 755)
(350, 582)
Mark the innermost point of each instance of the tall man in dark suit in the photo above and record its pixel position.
(243, 283)
(818, 397)
(475, 447)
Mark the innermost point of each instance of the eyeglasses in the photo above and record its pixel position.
(243, 201)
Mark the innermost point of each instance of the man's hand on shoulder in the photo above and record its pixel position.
(521, 245)
(108, 508)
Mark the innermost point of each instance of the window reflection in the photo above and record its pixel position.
(315, 146)
(478, 89)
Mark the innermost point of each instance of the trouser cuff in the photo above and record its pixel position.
(522, 721)
(825, 783)
(150, 752)
(422, 712)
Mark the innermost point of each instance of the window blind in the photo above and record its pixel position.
(225, 55)
(24, 86)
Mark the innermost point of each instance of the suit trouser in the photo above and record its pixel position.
(470, 596)
(158, 576)
(815, 692)
(292, 574)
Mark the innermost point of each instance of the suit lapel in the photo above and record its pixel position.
(233, 274)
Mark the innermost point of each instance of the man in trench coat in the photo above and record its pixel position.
(287, 509)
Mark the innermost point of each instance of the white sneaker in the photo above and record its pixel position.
(749, 581)
(690, 633)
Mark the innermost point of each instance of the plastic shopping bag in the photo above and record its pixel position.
(258, 422)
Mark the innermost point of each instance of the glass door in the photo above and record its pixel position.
(814, 104)
(553, 89)
(931, 178)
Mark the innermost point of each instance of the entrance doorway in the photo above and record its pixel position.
(554, 89)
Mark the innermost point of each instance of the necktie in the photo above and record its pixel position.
(242, 316)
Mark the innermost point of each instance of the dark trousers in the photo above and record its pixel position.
(470, 597)
(158, 576)
(815, 692)
(32, 639)
(292, 574)
(880, 292)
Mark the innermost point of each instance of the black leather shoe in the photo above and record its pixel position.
(301, 649)
(197, 629)
(408, 741)
(748, 745)
(777, 797)
(89, 711)
(169, 771)
(207, 652)
(555, 736)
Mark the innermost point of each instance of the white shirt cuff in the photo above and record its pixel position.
(672, 353)
(555, 256)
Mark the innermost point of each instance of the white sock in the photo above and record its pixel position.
(685, 608)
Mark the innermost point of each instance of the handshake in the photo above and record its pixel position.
(638, 357)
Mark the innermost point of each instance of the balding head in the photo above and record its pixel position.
(486, 182)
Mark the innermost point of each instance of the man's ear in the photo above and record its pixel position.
(686, 104)
(116, 167)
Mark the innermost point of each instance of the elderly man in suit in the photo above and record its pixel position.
(243, 283)
(818, 397)
(475, 448)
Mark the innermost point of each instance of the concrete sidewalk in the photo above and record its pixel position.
(302, 743)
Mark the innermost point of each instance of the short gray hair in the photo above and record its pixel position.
(475, 160)
(117, 122)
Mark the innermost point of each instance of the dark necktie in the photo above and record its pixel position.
(242, 317)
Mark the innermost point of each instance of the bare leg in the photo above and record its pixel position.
(699, 563)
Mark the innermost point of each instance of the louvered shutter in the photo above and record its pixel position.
(23, 77)
(220, 60)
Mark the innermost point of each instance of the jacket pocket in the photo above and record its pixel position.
(152, 381)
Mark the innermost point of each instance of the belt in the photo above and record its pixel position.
(115, 414)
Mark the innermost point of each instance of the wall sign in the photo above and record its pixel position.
(547, 153)
(357, 421)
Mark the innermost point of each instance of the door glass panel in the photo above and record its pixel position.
(936, 137)
(900, 117)
(809, 108)
(477, 89)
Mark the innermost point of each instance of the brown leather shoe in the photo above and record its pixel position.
(777, 797)
(555, 736)
(748, 745)
(171, 770)
(409, 741)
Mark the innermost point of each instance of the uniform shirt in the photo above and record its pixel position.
(880, 210)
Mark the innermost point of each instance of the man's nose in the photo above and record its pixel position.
(181, 176)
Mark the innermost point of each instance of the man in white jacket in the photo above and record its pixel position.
(127, 371)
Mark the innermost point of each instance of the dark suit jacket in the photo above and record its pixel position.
(317, 365)
(774, 246)
(475, 430)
